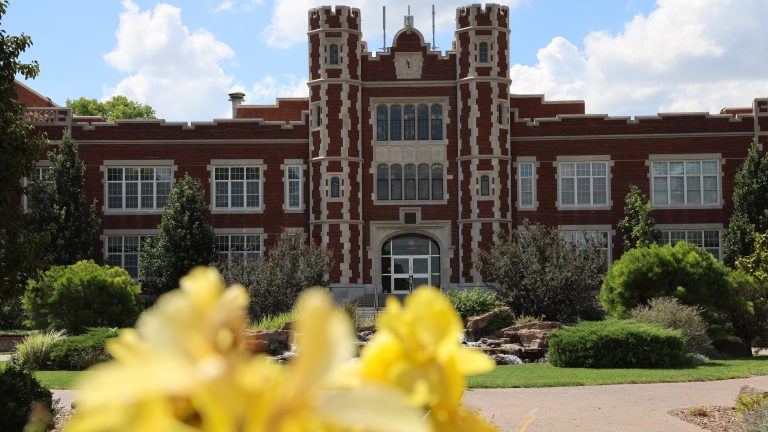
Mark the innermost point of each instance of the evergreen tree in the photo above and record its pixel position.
(20, 147)
(184, 240)
(750, 206)
(637, 225)
(58, 208)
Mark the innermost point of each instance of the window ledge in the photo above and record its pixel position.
(409, 202)
(583, 207)
(686, 206)
(236, 211)
(293, 210)
(132, 212)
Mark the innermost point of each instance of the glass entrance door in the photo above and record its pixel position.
(408, 262)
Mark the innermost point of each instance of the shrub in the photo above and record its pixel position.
(755, 421)
(749, 402)
(668, 312)
(684, 271)
(275, 280)
(472, 302)
(18, 391)
(350, 307)
(615, 344)
(34, 351)
(11, 314)
(535, 272)
(82, 295)
(81, 352)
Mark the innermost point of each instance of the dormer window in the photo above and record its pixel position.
(483, 52)
(333, 54)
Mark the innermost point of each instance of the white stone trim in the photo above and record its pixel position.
(685, 157)
(131, 163)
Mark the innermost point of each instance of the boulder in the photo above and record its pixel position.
(476, 324)
(274, 342)
(531, 335)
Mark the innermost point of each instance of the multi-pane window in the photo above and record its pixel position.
(600, 239)
(685, 182)
(483, 52)
(293, 186)
(409, 182)
(318, 116)
(238, 246)
(123, 251)
(583, 183)
(237, 187)
(138, 188)
(525, 185)
(333, 54)
(409, 122)
(708, 240)
(40, 174)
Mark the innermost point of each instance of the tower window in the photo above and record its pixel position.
(485, 186)
(333, 54)
(335, 187)
(483, 52)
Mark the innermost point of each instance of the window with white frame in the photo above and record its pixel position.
(335, 187)
(583, 184)
(293, 187)
(40, 173)
(237, 187)
(485, 185)
(686, 182)
(333, 54)
(138, 188)
(238, 246)
(601, 239)
(124, 251)
(482, 52)
(422, 182)
(526, 193)
(707, 239)
(409, 122)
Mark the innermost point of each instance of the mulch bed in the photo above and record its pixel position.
(715, 418)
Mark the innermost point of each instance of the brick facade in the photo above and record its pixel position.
(472, 157)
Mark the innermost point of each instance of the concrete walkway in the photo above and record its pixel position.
(610, 408)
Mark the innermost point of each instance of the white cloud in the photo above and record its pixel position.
(176, 71)
(235, 6)
(289, 18)
(265, 91)
(684, 56)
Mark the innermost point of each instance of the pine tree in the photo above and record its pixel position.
(637, 225)
(750, 206)
(184, 240)
(58, 208)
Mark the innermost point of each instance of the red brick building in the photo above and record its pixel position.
(404, 163)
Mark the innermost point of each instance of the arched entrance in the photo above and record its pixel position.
(408, 261)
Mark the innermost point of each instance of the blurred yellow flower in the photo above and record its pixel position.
(185, 368)
(417, 348)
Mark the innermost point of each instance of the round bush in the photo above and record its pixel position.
(616, 344)
(82, 295)
(472, 302)
(18, 390)
(668, 312)
(683, 271)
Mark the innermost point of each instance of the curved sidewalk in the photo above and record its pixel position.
(609, 408)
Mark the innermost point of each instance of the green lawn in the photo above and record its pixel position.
(54, 379)
(546, 375)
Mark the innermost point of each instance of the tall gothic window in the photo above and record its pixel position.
(423, 121)
(409, 123)
(382, 122)
(395, 126)
(437, 122)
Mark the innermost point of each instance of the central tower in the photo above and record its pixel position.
(335, 167)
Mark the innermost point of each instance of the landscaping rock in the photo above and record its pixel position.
(273, 342)
(477, 323)
(751, 391)
(531, 335)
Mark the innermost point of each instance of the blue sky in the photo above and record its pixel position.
(182, 57)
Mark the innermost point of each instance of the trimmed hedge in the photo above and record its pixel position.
(616, 344)
(18, 390)
(81, 352)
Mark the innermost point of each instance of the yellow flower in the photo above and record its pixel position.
(418, 348)
(184, 368)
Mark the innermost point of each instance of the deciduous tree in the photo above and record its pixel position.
(119, 107)
(20, 147)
